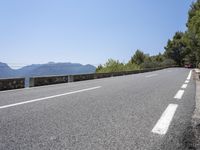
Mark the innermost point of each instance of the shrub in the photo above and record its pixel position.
(168, 63)
(131, 66)
(115, 66)
(150, 64)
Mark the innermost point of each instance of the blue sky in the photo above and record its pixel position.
(86, 31)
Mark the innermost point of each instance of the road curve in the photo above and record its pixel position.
(144, 111)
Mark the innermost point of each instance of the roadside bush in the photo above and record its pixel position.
(115, 66)
(110, 66)
(168, 63)
(137, 62)
(131, 66)
(150, 64)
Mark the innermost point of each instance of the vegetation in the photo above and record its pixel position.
(115, 66)
(183, 48)
(138, 61)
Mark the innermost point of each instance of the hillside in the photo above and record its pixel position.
(45, 70)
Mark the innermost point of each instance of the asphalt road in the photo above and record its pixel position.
(112, 113)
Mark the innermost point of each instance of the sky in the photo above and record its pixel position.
(86, 31)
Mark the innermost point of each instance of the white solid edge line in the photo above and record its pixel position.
(152, 75)
(163, 123)
(179, 94)
(189, 75)
(49, 97)
(184, 86)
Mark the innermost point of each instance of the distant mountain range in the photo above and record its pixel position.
(45, 70)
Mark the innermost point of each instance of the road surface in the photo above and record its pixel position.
(146, 111)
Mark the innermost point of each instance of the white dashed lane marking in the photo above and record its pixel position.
(163, 123)
(179, 94)
(184, 86)
(187, 81)
(152, 75)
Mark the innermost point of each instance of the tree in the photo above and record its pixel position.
(131, 66)
(110, 66)
(192, 12)
(115, 66)
(168, 63)
(193, 25)
(99, 68)
(158, 58)
(175, 48)
(185, 47)
(138, 58)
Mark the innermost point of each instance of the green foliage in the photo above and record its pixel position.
(115, 66)
(192, 12)
(158, 58)
(155, 63)
(110, 66)
(175, 48)
(168, 62)
(183, 48)
(99, 68)
(131, 66)
(150, 64)
(138, 58)
(147, 62)
(194, 30)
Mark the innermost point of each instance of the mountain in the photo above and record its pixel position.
(6, 71)
(45, 70)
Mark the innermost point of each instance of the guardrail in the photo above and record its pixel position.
(41, 81)
(17, 83)
(10, 84)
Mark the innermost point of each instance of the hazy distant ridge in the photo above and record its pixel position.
(45, 70)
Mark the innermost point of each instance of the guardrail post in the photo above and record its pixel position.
(70, 78)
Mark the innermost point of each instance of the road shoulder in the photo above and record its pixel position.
(196, 115)
(192, 134)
